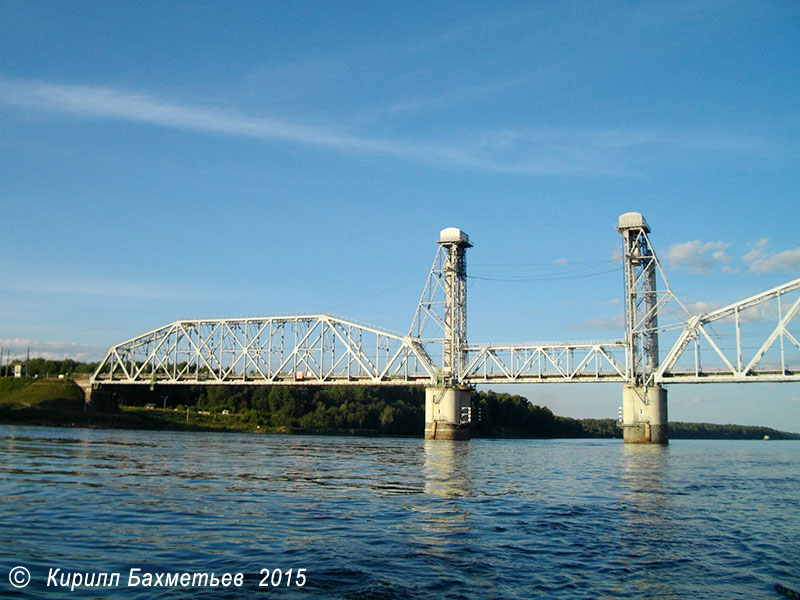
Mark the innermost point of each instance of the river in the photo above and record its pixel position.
(356, 517)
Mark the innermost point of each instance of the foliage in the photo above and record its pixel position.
(504, 415)
(328, 409)
(601, 428)
(712, 431)
(39, 367)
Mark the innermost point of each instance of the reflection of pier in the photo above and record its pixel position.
(760, 345)
(648, 536)
(445, 469)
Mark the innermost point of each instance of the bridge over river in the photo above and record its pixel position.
(324, 349)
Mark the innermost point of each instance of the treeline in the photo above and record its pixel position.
(399, 411)
(693, 431)
(40, 367)
(384, 410)
(712, 431)
(507, 415)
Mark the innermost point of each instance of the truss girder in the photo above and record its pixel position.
(324, 349)
(735, 367)
(546, 363)
(312, 349)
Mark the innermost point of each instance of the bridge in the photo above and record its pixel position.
(325, 349)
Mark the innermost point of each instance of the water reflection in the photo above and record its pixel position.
(445, 534)
(648, 541)
(445, 468)
(644, 468)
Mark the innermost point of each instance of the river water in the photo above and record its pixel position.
(398, 517)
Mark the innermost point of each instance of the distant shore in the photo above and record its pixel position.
(60, 403)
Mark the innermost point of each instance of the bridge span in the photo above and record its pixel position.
(329, 350)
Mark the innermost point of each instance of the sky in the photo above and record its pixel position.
(170, 160)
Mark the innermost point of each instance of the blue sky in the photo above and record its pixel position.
(175, 160)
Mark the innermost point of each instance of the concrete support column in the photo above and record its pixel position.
(443, 413)
(644, 415)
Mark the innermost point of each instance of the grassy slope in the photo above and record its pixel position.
(60, 402)
(42, 394)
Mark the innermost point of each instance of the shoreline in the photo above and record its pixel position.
(61, 403)
(143, 419)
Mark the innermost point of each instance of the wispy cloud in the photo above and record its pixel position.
(47, 282)
(760, 261)
(536, 155)
(107, 102)
(517, 150)
(699, 257)
(97, 287)
(762, 312)
(50, 349)
(613, 323)
(464, 93)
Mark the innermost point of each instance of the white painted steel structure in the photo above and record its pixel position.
(444, 304)
(735, 365)
(546, 363)
(300, 350)
(329, 350)
(642, 301)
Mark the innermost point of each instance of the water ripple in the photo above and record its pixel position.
(404, 518)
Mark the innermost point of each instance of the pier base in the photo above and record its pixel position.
(443, 414)
(644, 415)
(100, 399)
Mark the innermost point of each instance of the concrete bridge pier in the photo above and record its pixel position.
(644, 415)
(87, 388)
(443, 413)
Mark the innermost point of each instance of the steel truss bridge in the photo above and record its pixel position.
(752, 340)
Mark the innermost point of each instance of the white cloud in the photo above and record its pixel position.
(700, 307)
(613, 323)
(699, 257)
(561, 261)
(760, 312)
(51, 350)
(759, 261)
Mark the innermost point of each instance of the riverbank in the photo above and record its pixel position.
(60, 403)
